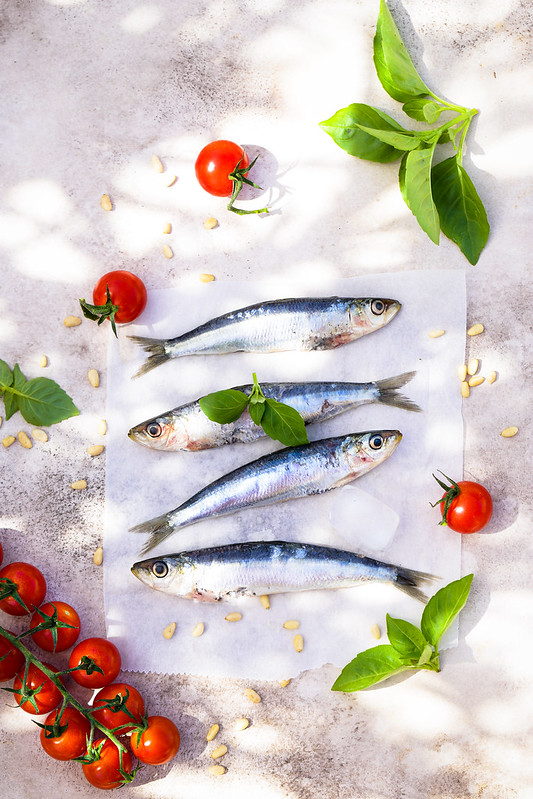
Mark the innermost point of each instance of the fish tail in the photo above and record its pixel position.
(410, 581)
(389, 394)
(159, 528)
(157, 353)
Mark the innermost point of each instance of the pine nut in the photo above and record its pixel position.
(170, 180)
(219, 751)
(509, 432)
(241, 724)
(217, 770)
(105, 202)
(491, 377)
(40, 435)
(265, 601)
(465, 389)
(102, 427)
(168, 251)
(8, 440)
(476, 381)
(206, 278)
(156, 163)
(95, 450)
(72, 321)
(436, 333)
(169, 630)
(284, 683)
(473, 366)
(167, 227)
(291, 624)
(252, 695)
(94, 378)
(212, 732)
(233, 617)
(79, 485)
(43, 361)
(475, 330)
(376, 632)
(198, 630)
(1, 420)
(210, 223)
(461, 371)
(298, 642)
(98, 557)
(24, 440)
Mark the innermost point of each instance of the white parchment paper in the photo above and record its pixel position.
(385, 514)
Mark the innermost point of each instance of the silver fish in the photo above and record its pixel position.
(188, 428)
(308, 323)
(286, 474)
(269, 567)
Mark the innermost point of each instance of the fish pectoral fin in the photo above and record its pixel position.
(202, 596)
(342, 481)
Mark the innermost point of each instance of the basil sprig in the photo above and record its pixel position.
(441, 197)
(41, 401)
(410, 647)
(279, 421)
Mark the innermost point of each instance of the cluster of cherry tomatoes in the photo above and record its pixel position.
(69, 730)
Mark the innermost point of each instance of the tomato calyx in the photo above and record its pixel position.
(94, 753)
(118, 704)
(99, 313)
(452, 492)
(238, 178)
(87, 665)
(56, 729)
(8, 588)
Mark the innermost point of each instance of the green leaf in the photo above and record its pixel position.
(43, 402)
(11, 399)
(345, 128)
(370, 667)
(406, 639)
(283, 423)
(443, 607)
(257, 410)
(462, 215)
(224, 406)
(6, 375)
(394, 67)
(401, 141)
(423, 109)
(415, 184)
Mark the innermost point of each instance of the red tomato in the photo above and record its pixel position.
(466, 506)
(29, 583)
(66, 636)
(105, 772)
(157, 744)
(127, 291)
(13, 659)
(47, 698)
(113, 717)
(71, 742)
(104, 653)
(216, 162)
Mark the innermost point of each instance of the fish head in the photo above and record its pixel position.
(375, 312)
(162, 433)
(364, 451)
(172, 574)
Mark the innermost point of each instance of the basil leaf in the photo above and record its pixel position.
(423, 109)
(415, 184)
(443, 607)
(224, 406)
(6, 375)
(283, 423)
(43, 402)
(11, 400)
(406, 639)
(462, 215)
(394, 67)
(345, 128)
(370, 667)
(401, 141)
(425, 658)
(257, 409)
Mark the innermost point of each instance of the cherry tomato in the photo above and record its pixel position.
(106, 656)
(127, 291)
(105, 772)
(71, 742)
(30, 585)
(49, 695)
(66, 636)
(216, 162)
(13, 659)
(466, 506)
(113, 717)
(158, 743)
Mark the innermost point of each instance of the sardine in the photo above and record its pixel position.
(188, 428)
(269, 567)
(286, 474)
(307, 323)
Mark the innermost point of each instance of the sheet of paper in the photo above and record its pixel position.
(385, 514)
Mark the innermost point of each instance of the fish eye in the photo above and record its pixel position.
(376, 441)
(377, 307)
(154, 429)
(160, 568)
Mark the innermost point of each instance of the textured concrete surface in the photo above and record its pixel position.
(90, 90)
